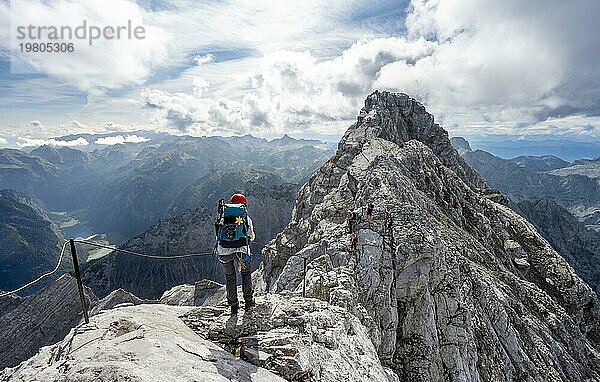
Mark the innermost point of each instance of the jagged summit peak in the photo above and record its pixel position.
(380, 101)
(399, 118)
(450, 282)
(396, 117)
(386, 99)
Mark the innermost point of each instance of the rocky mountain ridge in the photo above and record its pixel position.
(450, 282)
(29, 243)
(540, 164)
(585, 167)
(538, 187)
(579, 245)
(460, 144)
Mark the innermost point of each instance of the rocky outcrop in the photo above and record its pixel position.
(136, 343)
(399, 119)
(204, 292)
(451, 284)
(118, 298)
(577, 244)
(283, 337)
(299, 339)
(41, 319)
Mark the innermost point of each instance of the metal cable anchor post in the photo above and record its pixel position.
(79, 283)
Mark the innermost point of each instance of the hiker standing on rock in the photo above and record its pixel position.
(235, 232)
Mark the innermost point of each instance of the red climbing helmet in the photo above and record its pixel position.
(238, 198)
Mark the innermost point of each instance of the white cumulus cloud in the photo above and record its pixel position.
(289, 91)
(479, 66)
(35, 124)
(502, 66)
(203, 59)
(34, 142)
(77, 125)
(119, 139)
(106, 63)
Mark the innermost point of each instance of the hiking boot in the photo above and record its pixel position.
(234, 309)
(249, 304)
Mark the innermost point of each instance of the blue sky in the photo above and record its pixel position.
(484, 68)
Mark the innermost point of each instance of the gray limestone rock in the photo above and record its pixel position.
(460, 144)
(136, 343)
(118, 297)
(524, 179)
(433, 261)
(300, 339)
(579, 245)
(203, 292)
(40, 320)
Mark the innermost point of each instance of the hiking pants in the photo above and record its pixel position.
(231, 284)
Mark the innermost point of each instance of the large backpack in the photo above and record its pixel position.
(232, 230)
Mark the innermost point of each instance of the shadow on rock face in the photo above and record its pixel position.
(207, 291)
(226, 370)
(204, 292)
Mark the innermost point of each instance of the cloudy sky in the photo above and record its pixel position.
(483, 67)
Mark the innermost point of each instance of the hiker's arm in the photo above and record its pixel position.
(251, 236)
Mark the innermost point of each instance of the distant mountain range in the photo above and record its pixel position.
(206, 191)
(585, 167)
(540, 164)
(564, 148)
(122, 189)
(395, 261)
(519, 181)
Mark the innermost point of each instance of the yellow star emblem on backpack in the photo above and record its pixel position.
(238, 220)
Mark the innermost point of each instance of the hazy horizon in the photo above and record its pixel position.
(503, 146)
